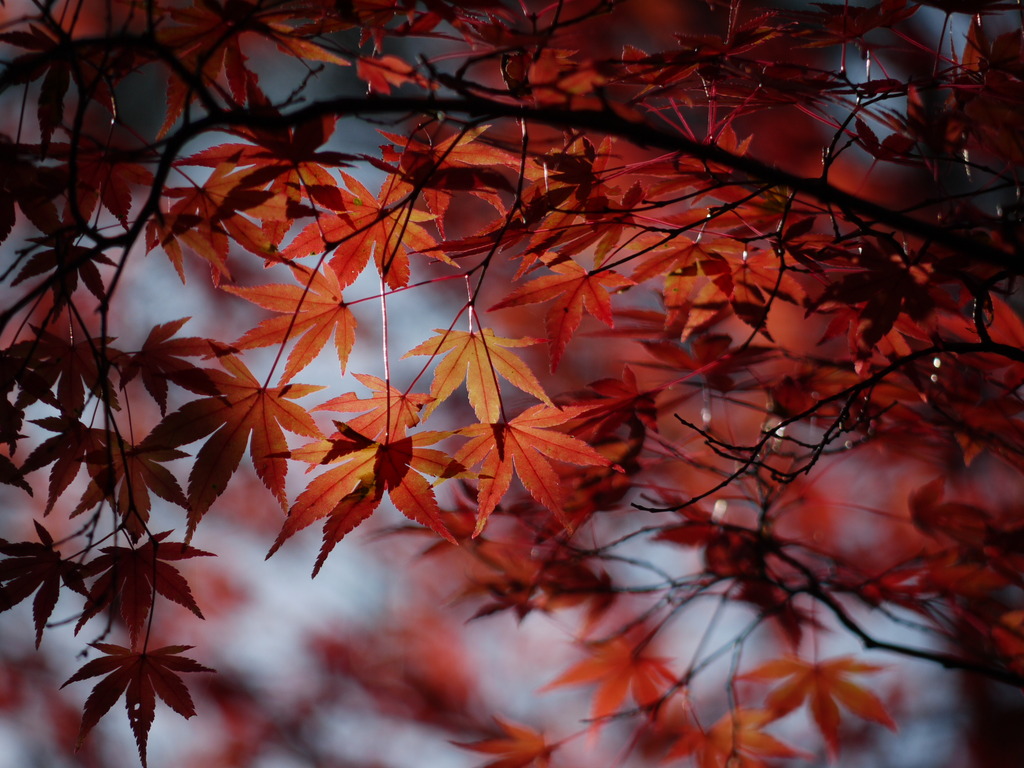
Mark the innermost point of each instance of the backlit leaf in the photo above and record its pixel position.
(477, 359)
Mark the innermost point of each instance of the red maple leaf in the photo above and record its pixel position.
(382, 72)
(517, 747)
(30, 567)
(104, 176)
(134, 577)
(823, 685)
(42, 42)
(573, 290)
(161, 360)
(126, 474)
(206, 38)
(141, 677)
(69, 363)
(457, 164)
(67, 451)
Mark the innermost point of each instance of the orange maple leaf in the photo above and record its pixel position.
(386, 228)
(382, 72)
(387, 412)
(244, 407)
(526, 443)
(737, 740)
(457, 164)
(619, 669)
(350, 492)
(293, 164)
(519, 747)
(478, 358)
(822, 685)
(141, 677)
(312, 310)
(573, 290)
(207, 216)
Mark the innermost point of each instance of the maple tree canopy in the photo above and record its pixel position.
(641, 382)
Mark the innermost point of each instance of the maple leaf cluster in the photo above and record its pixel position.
(697, 333)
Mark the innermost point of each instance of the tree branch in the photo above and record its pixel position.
(641, 134)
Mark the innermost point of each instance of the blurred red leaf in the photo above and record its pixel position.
(518, 747)
(823, 686)
(619, 669)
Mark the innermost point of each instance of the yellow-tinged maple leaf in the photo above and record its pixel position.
(244, 407)
(619, 669)
(478, 358)
(311, 312)
(519, 747)
(526, 443)
(822, 685)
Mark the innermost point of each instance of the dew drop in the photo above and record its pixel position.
(721, 505)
